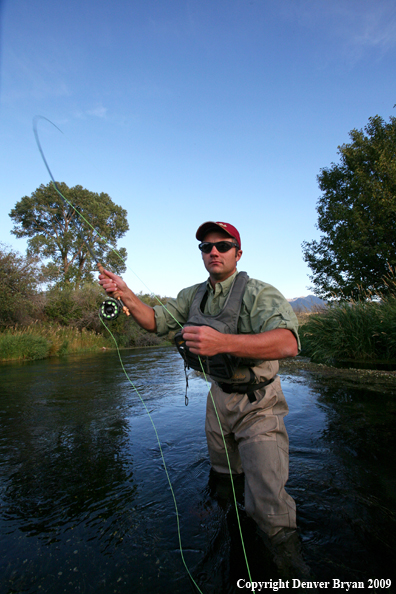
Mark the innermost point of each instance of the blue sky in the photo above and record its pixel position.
(185, 111)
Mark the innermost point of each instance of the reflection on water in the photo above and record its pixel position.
(84, 501)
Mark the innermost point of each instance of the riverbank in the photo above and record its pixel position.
(42, 341)
(369, 377)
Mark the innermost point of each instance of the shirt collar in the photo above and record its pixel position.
(222, 287)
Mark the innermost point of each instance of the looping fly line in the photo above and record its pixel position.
(35, 130)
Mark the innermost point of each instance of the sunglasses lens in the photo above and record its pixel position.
(221, 246)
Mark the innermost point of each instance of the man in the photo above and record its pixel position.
(242, 364)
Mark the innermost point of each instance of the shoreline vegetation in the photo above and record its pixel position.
(41, 341)
(61, 320)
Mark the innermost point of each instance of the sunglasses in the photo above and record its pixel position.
(221, 246)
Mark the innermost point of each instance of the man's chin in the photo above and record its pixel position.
(219, 275)
(216, 271)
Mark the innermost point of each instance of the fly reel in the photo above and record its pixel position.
(110, 309)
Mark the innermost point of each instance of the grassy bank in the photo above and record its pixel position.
(39, 341)
(359, 331)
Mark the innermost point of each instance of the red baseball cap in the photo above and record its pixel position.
(205, 228)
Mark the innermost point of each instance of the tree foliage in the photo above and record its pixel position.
(357, 216)
(19, 281)
(58, 233)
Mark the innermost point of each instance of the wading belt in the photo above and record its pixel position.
(248, 389)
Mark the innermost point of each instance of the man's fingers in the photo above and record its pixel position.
(108, 284)
(191, 329)
(110, 275)
(111, 282)
(191, 339)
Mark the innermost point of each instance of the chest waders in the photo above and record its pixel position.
(232, 374)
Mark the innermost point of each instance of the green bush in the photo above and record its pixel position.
(23, 346)
(61, 306)
(78, 307)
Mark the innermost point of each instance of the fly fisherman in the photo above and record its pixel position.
(239, 327)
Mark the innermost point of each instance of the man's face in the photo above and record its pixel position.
(220, 266)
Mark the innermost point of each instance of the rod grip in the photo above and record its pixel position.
(113, 294)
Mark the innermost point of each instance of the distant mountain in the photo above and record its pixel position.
(306, 303)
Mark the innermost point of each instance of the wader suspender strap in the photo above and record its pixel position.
(204, 300)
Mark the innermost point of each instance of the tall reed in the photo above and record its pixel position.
(38, 341)
(364, 330)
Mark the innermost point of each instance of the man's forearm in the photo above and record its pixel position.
(271, 345)
(142, 313)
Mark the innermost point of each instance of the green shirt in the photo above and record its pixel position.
(263, 308)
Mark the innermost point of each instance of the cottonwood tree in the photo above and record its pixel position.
(58, 234)
(357, 216)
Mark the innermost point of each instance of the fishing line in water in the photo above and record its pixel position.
(161, 453)
(35, 123)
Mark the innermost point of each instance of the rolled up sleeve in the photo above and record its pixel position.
(269, 310)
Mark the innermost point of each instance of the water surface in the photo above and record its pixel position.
(84, 501)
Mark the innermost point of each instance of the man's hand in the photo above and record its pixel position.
(202, 340)
(111, 283)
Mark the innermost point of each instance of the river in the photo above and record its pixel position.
(85, 505)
